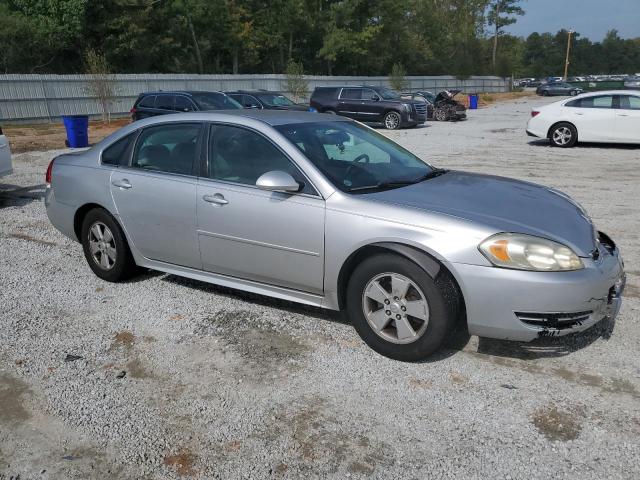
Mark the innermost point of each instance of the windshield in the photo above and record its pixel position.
(356, 158)
(387, 93)
(275, 100)
(215, 101)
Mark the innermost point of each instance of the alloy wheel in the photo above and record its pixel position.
(395, 308)
(391, 121)
(562, 136)
(102, 246)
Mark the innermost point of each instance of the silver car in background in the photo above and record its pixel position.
(5, 156)
(325, 211)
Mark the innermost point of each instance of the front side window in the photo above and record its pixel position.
(351, 93)
(170, 148)
(275, 100)
(368, 94)
(115, 153)
(165, 102)
(388, 94)
(356, 158)
(629, 102)
(215, 101)
(240, 155)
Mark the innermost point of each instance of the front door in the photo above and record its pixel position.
(269, 237)
(350, 103)
(155, 195)
(594, 118)
(627, 123)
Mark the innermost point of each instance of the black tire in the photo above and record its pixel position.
(124, 266)
(545, 93)
(392, 120)
(441, 317)
(573, 93)
(558, 135)
(440, 115)
(330, 112)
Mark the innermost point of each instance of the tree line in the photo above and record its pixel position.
(334, 37)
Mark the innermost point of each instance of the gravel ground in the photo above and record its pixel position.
(178, 378)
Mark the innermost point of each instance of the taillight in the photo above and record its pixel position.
(47, 177)
(133, 110)
(534, 113)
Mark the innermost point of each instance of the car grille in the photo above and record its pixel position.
(559, 321)
(421, 108)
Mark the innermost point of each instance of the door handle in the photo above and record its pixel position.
(577, 113)
(124, 183)
(216, 199)
(623, 114)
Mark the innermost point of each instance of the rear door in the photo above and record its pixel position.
(184, 104)
(593, 118)
(165, 104)
(155, 194)
(627, 121)
(350, 103)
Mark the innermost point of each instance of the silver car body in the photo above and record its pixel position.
(297, 246)
(5, 157)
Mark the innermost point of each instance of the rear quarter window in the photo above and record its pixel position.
(148, 101)
(118, 153)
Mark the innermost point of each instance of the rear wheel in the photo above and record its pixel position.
(392, 121)
(563, 135)
(105, 247)
(330, 112)
(545, 93)
(441, 115)
(397, 309)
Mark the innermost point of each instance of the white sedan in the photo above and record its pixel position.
(5, 156)
(605, 117)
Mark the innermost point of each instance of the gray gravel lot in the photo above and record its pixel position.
(223, 384)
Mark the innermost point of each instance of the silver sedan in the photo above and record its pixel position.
(322, 210)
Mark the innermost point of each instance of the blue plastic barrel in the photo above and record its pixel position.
(77, 127)
(473, 101)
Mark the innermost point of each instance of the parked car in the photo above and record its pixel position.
(6, 167)
(263, 99)
(558, 88)
(150, 104)
(373, 104)
(607, 116)
(442, 107)
(632, 83)
(326, 211)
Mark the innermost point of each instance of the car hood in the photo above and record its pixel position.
(504, 204)
(297, 108)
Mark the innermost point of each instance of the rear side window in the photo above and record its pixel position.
(601, 101)
(117, 153)
(165, 102)
(170, 148)
(183, 104)
(148, 101)
(627, 102)
(351, 93)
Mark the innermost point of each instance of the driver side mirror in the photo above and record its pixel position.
(375, 98)
(277, 181)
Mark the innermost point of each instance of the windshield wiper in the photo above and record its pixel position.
(436, 172)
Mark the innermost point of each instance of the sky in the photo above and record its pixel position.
(591, 18)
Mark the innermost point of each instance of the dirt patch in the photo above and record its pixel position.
(51, 136)
(12, 390)
(557, 424)
(29, 238)
(135, 369)
(182, 462)
(458, 378)
(416, 384)
(631, 291)
(124, 339)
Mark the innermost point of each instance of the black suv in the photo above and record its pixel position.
(372, 104)
(151, 104)
(263, 99)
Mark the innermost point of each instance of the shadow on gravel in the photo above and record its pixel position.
(255, 298)
(546, 347)
(16, 196)
(543, 142)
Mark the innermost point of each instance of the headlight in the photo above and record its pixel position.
(407, 107)
(525, 252)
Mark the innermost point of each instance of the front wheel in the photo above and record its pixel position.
(392, 121)
(397, 309)
(105, 247)
(545, 93)
(441, 115)
(563, 135)
(573, 93)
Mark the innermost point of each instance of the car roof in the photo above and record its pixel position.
(610, 92)
(180, 92)
(253, 92)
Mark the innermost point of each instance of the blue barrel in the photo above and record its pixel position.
(77, 127)
(473, 101)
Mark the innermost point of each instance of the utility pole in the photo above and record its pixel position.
(566, 62)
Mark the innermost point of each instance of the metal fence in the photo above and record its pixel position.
(41, 98)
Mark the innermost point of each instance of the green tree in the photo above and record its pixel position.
(500, 15)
